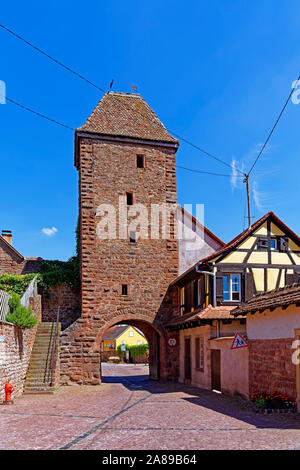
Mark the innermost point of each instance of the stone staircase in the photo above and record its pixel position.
(40, 377)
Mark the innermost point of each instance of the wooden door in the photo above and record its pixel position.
(216, 369)
(187, 359)
(154, 357)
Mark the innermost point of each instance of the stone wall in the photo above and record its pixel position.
(271, 368)
(15, 351)
(68, 301)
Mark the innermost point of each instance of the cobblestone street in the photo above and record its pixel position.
(129, 412)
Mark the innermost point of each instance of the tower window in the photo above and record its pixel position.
(132, 237)
(124, 289)
(140, 161)
(129, 199)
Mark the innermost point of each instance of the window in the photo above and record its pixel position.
(273, 243)
(123, 342)
(129, 199)
(140, 161)
(199, 345)
(130, 333)
(132, 237)
(139, 342)
(196, 294)
(182, 310)
(232, 287)
(124, 289)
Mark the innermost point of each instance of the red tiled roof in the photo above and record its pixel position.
(126, 115)
(282, 297)
(208, 313)
(115, 331)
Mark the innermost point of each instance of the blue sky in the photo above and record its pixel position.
(215, 72)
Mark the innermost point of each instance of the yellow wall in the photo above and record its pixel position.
(130, 340)
(260, 257)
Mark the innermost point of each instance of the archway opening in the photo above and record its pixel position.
(130, 350)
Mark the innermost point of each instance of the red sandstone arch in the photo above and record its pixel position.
(154, 333)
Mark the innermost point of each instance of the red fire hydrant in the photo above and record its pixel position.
(8, 391)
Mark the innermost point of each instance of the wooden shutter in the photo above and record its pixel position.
(283, 244)
(219, 288)
(243, 287)
(262, 243)
(249, 286)
(187, 300)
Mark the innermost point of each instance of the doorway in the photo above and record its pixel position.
(216, 369)
(187, 360)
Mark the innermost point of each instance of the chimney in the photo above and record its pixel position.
(7, 235)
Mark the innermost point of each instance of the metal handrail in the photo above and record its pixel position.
(54, 347)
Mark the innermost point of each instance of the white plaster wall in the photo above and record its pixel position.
(194, 245)
(274, 325)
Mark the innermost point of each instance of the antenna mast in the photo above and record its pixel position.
(246, 180)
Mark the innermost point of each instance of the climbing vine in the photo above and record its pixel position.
(55, 272)
(15, 283)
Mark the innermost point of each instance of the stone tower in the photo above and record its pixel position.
(124, 155)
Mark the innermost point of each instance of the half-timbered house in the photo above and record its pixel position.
(266, 256)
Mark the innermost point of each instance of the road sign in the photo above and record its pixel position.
(239, 342)
(172, 342)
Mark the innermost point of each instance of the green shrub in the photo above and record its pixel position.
(14, 302)
(139, 350)
(20, 315)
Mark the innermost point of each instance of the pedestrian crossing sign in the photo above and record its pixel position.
(239, 342)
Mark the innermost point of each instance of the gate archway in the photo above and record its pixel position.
(154, 335)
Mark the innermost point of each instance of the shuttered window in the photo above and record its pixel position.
(232, 287)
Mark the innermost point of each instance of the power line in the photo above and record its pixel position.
(115, 97)
(51, 58)
(26, 108)
(203, 171)
(37, 113)
(273, 128)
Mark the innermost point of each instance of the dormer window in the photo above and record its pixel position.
(273, 243)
